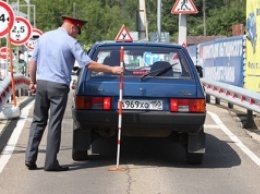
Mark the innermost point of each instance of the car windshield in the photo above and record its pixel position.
(156, 62)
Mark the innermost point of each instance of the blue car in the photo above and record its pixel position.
(162, 96)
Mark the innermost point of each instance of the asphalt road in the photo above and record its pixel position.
(154, 166)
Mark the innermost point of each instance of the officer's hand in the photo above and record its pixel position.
(32, 88)
(117, 70)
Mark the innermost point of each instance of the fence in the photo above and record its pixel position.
(21, 82)
(249, 100)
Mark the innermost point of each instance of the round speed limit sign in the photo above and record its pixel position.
(21, 31)
(6, 18)
(30, 44)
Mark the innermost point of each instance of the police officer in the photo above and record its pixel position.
(50, 70)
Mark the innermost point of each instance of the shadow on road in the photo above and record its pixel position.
(159, 152)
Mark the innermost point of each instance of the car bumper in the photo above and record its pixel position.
(139, 120)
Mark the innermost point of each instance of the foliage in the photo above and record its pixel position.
(221, 21)
(106, 17)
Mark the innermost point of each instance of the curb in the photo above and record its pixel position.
(10, 113)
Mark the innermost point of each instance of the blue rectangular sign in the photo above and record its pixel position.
(222, 60)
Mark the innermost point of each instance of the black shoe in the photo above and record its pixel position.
(30, 165)
(60, 168)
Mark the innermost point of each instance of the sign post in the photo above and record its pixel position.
(11, 65)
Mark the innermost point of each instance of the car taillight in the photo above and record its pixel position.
(187, 105)
(98, 103)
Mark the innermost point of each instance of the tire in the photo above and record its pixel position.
(195, 147)
(81, 144)
(79, 155)
(194, 158)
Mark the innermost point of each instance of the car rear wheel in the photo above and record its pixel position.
(79, 155)
(82, 148)
(193, 158)
(195, 147)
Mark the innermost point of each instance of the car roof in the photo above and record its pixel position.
(136, 43)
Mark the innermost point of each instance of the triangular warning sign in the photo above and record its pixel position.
(123, 35)
(184, 7)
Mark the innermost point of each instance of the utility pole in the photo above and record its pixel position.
(159, 22)
(28, 10)
(74, 9)
(204, 17)
(142, 21)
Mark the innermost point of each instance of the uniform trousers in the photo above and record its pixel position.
(50, 104)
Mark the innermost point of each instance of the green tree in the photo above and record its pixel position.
(106, 17)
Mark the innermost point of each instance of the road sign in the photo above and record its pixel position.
(21, 31)
(5, 53)
(30, 44)
(6, 18)
(124, 35)
(184, 7)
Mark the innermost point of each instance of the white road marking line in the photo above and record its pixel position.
(211, 126)
(7, 152)
(235, 139)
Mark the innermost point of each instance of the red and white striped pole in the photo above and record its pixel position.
(120, 108)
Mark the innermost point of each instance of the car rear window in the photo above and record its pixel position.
(139, 61)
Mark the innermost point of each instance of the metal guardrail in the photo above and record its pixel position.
(249, 100)
(20, 81)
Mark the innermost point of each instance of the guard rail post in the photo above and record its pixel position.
(217, 101)
(249, 122)
(230, 105)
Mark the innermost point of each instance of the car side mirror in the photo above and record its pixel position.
(199, 70)
(75, 68)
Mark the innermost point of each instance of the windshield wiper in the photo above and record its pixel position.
(159, 72)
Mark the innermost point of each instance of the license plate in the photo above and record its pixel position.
(142, 104)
